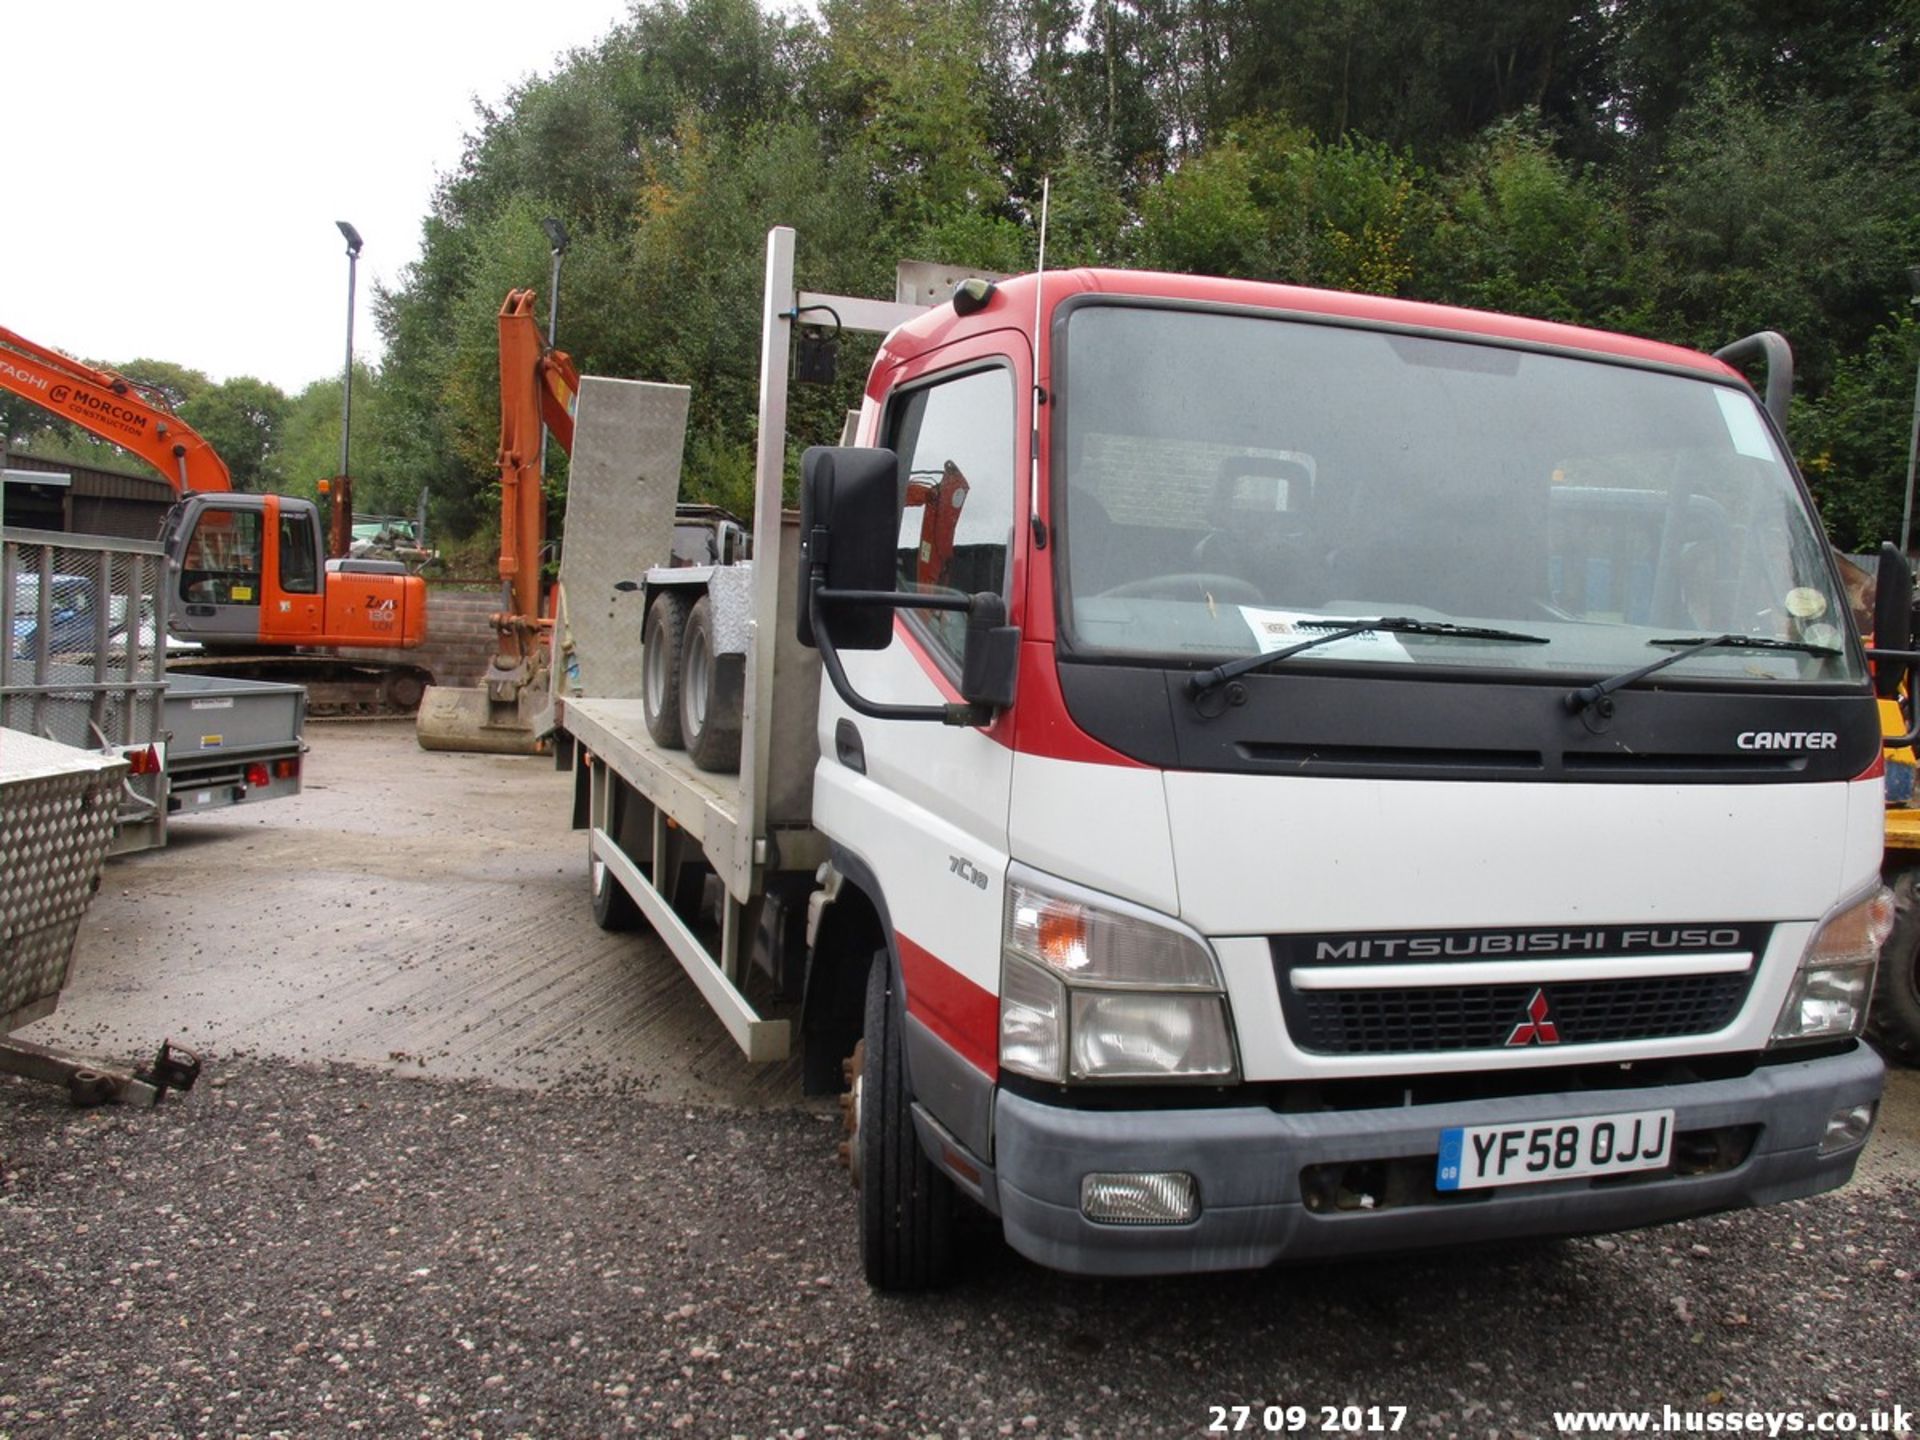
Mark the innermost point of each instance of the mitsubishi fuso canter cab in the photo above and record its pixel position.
(1223, 773)
(1409, 777)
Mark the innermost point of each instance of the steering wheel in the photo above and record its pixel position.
(1199, 585)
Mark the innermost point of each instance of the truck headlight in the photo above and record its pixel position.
(1828, 999)
(1095, 988)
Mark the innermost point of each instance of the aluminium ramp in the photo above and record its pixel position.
(58, 806)
(621, 491)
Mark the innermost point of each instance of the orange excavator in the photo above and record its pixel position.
(537, 388)
(250, 579)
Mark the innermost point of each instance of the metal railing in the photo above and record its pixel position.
(83, 645)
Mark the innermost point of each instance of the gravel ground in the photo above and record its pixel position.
(464, 1165)
(318, 1251)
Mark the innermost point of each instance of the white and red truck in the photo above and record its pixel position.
(1283, 774)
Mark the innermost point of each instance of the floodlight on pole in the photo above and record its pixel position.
(557, 240)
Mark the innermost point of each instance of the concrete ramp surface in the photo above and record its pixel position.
(425, 912)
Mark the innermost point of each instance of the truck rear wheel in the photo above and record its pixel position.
(613, 907)
(1895, 1023)
(906, 1205)
(711, 687)
(662, 639)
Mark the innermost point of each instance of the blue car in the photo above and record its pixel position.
(70, 619)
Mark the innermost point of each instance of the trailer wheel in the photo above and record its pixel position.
(661, 640)
(711, 686)
(1895, 1020)
(613, 908)
(906, 1205)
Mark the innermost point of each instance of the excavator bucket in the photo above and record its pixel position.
(470, 718)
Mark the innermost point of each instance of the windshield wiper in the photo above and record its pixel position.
(1205, 680)
(1579, 700)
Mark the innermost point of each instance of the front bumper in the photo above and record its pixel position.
(1248, 1163)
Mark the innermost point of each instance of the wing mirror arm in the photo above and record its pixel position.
(986, 616)
(850, 508)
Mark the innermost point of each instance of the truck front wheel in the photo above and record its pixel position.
(906, 1205)
(1896, 993)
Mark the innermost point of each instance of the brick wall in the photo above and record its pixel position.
(459, 642)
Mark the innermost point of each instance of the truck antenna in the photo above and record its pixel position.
(1039, 395)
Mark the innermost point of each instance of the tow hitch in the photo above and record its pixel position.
(90, 1083)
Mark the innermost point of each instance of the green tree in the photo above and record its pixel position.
(1769, 216)
(1522, 229)
(1689, 172)
(1271, 203)
(163, 383)
(309, 447)
(241, 419)
(1852, 441)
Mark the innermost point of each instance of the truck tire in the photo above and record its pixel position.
(661, 640)
(613, 907)
(906, 1205)
(711, 690)
(1895, 1020)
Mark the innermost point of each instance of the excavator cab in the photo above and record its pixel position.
(251, 570)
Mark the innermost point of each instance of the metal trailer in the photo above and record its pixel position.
(84, 662)
(656, 822)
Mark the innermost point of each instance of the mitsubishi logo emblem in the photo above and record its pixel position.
(1538, 1028)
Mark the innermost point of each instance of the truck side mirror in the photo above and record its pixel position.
(850, 525)
(850, 505)
(1892, 620)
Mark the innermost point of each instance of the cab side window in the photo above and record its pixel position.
(956, 445)
(298, 572)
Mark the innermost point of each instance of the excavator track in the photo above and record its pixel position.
(337, 688)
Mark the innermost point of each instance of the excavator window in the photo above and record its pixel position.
(222, 563)
(299, 565)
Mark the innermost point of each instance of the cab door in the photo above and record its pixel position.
(216, 555)
(294, 611)
(923, 807)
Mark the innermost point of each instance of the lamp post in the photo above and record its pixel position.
(1913, 433)
(340, 518)
(557, 240)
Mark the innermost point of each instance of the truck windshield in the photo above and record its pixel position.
(1232, 482)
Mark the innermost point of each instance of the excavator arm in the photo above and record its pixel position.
(537, 387)
(112, 407)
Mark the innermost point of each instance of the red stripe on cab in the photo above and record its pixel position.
(952, 1006)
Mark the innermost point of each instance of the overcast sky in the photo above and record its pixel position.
(174, 167)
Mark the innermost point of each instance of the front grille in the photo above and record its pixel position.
(1485, 1017)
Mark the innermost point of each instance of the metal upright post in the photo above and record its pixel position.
(557, 240)
(346, 380)
(1913, 431)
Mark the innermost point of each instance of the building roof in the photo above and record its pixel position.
(96, 482)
